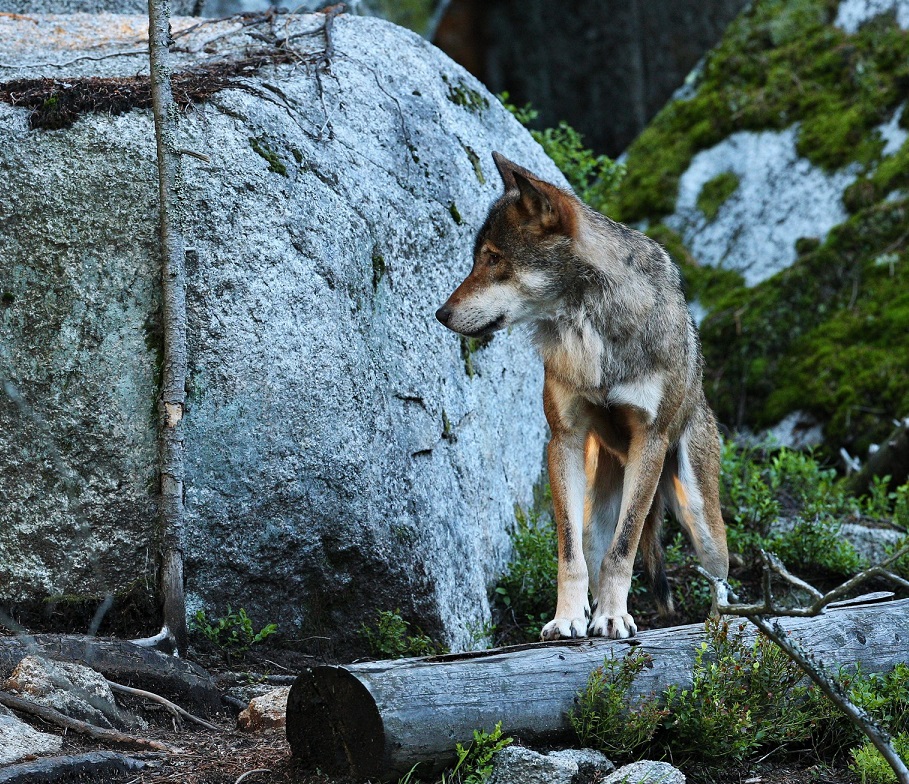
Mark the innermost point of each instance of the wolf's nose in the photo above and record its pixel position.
(443, 314)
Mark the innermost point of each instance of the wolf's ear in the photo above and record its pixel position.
(506, 170)
(546, 206)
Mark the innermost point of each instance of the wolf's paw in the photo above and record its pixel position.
(564, 629)
(618, 627)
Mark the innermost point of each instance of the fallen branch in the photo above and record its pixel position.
(175, 709)
(52, 716)
(95, 764)
(756, 613)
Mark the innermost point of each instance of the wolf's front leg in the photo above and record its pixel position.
(646, 455)
(568, 481)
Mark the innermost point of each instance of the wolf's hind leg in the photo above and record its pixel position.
(652, 555)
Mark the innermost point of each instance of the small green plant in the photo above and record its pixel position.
(742, 697)
(527, 589)
(233, 634)
(475, 760)
(871, 767)
(595, 178)
(606, 720)
(389, 638)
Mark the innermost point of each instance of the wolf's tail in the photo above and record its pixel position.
(652, 555)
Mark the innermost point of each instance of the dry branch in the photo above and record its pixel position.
(98, 765)
(171, 706)
(812, 664)
(52, 716)
(171, 403)
(378, 719)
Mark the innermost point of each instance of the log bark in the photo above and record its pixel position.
(172, 402)
(378, 719)
(120, 661)
(891, 459)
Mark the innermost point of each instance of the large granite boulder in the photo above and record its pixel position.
(345, 453)
(778, 179)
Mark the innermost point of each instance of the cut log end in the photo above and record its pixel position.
(333, 723)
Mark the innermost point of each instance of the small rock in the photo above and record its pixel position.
(18, 740)
(73, 689)
(872, 544)
(519, 765)
(269, 710)
(591, 764)
(646, 772)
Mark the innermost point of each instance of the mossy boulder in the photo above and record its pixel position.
(799, 273)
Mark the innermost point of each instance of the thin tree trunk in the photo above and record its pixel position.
(172, 399)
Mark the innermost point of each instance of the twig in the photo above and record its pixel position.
(241, 778)
(194, 154)
(74, 60)
(171, 706)
(62, 720)
(756, 613)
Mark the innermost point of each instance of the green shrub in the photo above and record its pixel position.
(233, 634)
(743, 697)
(594, 178)
(389, 638)
(604, 717)
(871, 766)
(527, 590)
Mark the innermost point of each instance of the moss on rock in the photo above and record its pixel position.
(715, 192)
(780, 62)
(829, 334)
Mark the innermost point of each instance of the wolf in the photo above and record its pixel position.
(631, 430)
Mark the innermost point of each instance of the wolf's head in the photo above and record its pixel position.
(520, 256)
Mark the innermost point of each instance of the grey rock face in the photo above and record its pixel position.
(646, 772)
(852, 14)
(340, 459)
(780, 197)
(72, 689)
(519, 765)
(18, 740)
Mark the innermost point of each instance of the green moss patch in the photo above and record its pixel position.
(715, 193)
(462, 95)
(827, 335)
(780, 62)
(275, 164)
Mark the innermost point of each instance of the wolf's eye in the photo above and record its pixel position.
(492, 258)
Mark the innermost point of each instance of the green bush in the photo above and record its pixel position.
(233, 634)
(594, 178)
(526, 592)
(389, 638)
(871, 766)
(604, 717)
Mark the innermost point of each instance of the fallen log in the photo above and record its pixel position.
(94, 764)
(120, 661)
(378, 719)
